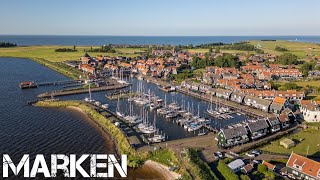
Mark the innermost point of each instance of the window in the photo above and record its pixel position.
(295, 172)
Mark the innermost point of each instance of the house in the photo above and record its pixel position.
(247, 168)
(256, 102)
(300, 167)
(274, 124)
(291, 94)
(232, 136)
(223, 93)
(286, 118)
(87, 68)
(258, 128)
(195, 86)
(237, 97)
(270, 166)
(310, 110)
(236, 165)
(278, 104)
(204, 88)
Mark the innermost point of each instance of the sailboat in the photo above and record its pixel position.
(89, 99)
(118, 109)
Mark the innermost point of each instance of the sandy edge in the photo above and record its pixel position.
(162, 169)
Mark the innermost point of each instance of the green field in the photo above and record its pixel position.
(301, 49)
(305, 138)
(48, 53)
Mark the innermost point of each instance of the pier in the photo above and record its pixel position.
(80, 91)
(58, 82)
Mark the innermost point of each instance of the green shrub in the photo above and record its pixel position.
(226, 172)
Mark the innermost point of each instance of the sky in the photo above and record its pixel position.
(160, 17)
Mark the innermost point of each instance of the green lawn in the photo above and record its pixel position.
(301, 49)
(48, 53)
(306, 138)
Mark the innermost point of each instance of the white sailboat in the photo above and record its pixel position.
(118, 109)
(89, 99)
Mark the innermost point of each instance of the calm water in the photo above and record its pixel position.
(25, 40)
(34, 130)
(171, 129)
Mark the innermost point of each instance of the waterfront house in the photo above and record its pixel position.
(300, 167)
(278, 104)
(223, 93)
(310, 110)
(237, 97)
(195, 86)
(232, 136)
(262, 104)
(274, 124)
(236, 165)
(87, 68)
(258, 128)
(211, 91)
(286, 118)
(204, 88)
(186, 84)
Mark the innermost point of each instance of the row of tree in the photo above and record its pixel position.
(103, 49)
(227, 60)
(7, 44)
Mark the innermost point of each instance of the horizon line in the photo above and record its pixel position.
(152, 35)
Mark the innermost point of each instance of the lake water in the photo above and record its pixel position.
(33, 130)
(26, 40)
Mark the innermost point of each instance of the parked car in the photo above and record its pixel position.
(251, 155)
(220, 155)
(256, 152)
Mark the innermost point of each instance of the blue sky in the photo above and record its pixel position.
(164, 17)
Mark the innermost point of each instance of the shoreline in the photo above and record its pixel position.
(158, 167)
(106, 135)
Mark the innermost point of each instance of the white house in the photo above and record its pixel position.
(310, 110)
(236, 165)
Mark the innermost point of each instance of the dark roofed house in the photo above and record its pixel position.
(237, 97)
(223, 93)
(233, 136)
(258, 128)
(286, 118)
(256, 102)
(204, 88)
(274, 124)
(300, 167)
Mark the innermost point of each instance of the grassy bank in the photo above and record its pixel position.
(307, 141)
(48, 52)
(198, 167)
(120, 140)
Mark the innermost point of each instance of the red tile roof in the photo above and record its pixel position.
(308, 166)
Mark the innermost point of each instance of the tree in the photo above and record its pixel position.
(244, 177)
(281, 49)
(225, 171)
(217, 50)
(259, 51)
(74, 48)
(227, 60)
(210, 49)
(306, 67)
(287, 58)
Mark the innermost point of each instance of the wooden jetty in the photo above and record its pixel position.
(81, 91)
(58, 82)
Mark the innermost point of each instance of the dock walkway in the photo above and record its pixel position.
(80, 91)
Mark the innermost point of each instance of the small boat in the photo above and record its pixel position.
(105, 106)
(25, 85)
